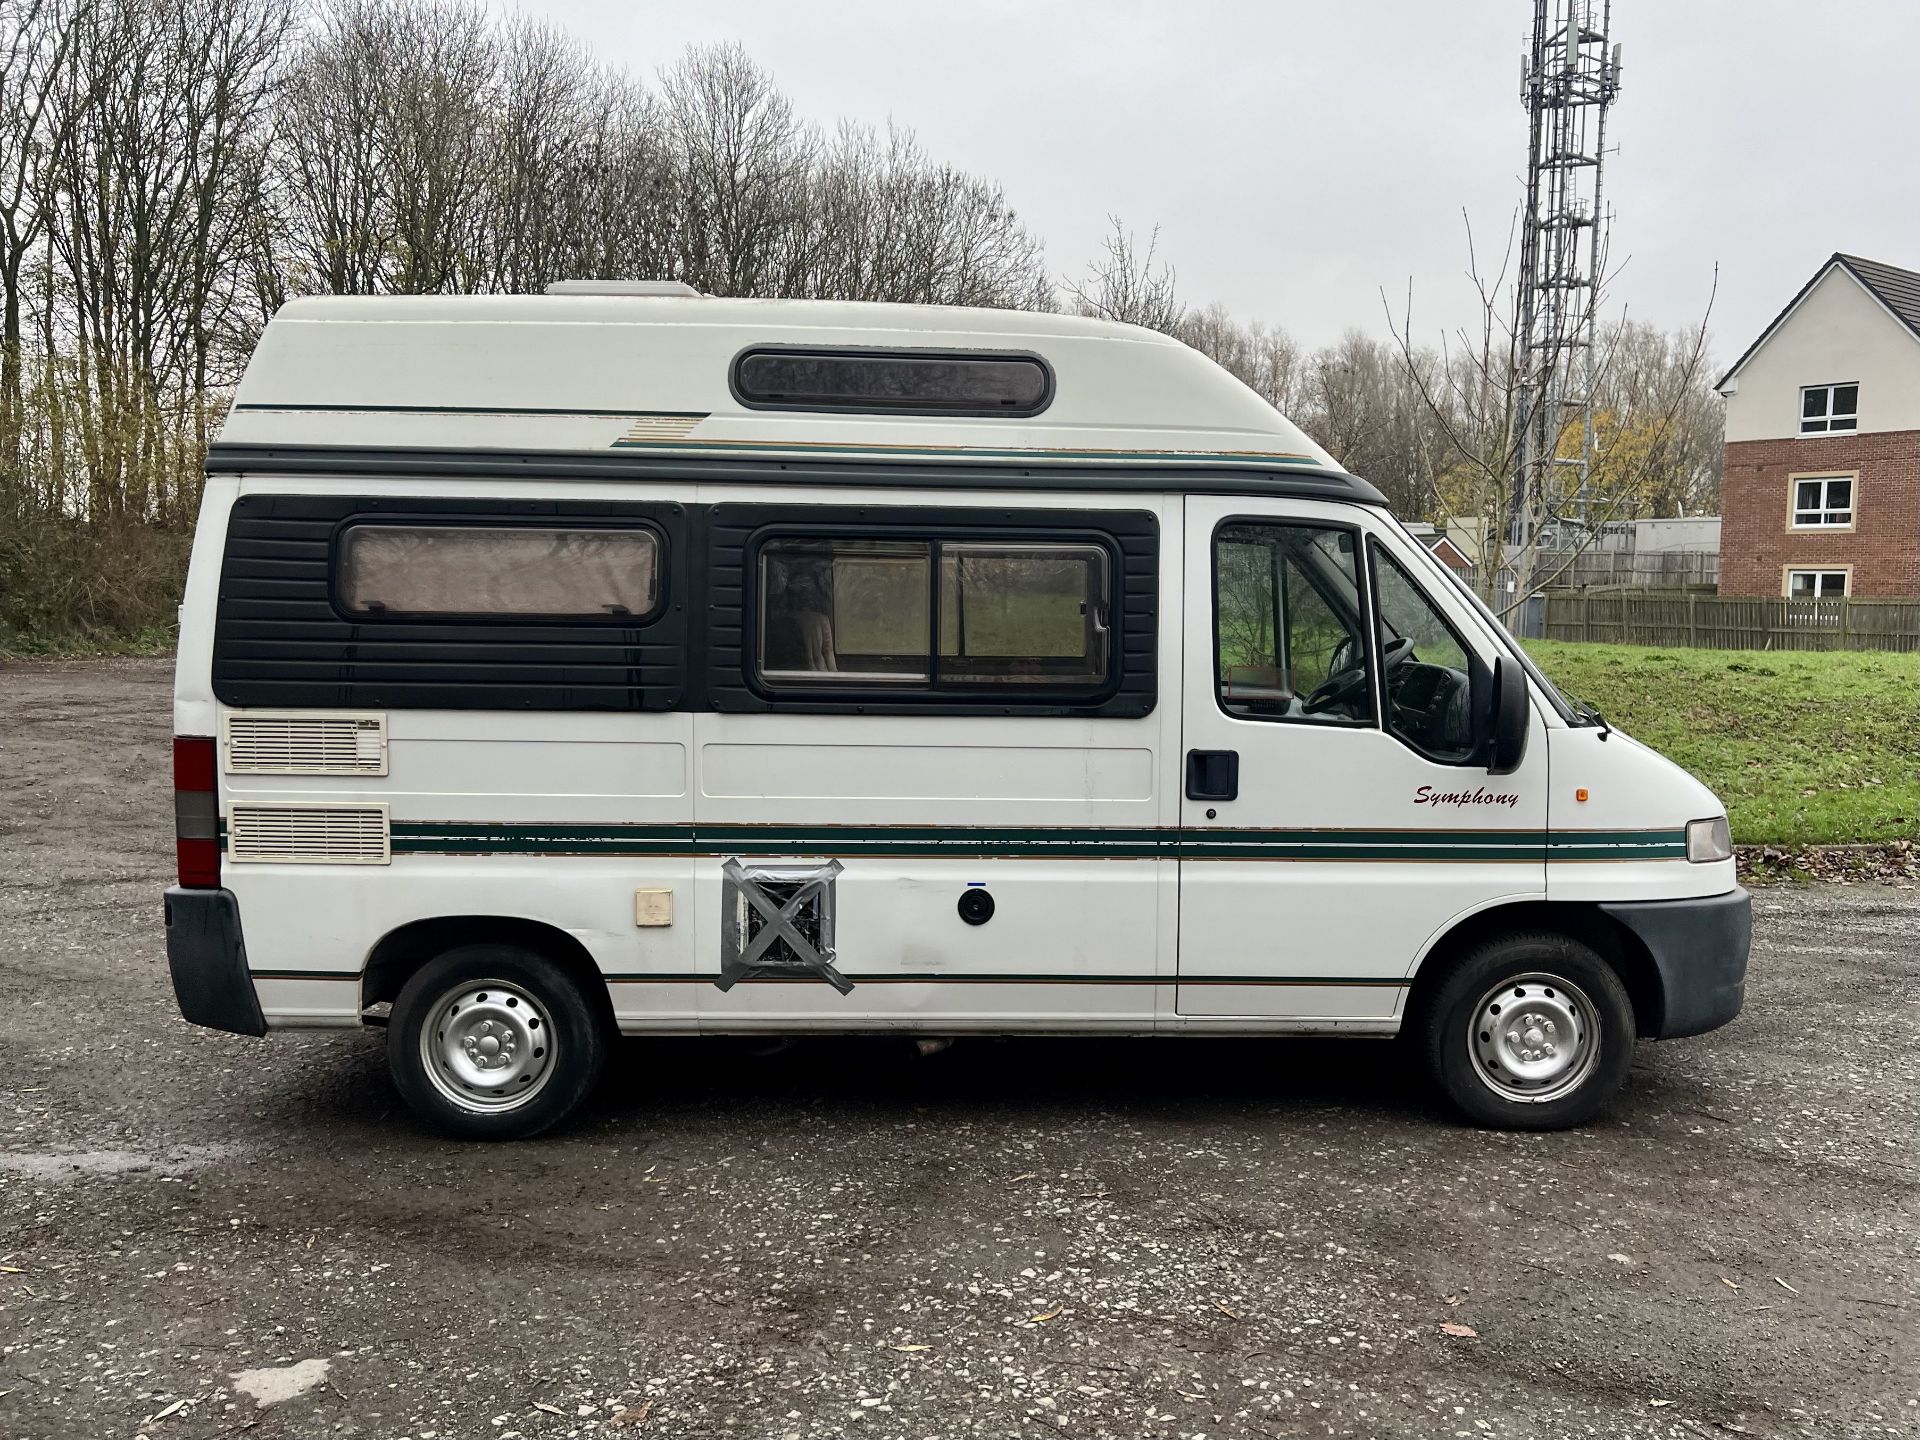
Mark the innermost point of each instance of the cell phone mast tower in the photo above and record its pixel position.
(1569, 78)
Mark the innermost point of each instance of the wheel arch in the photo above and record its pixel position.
(1578, 920)
(403, 950)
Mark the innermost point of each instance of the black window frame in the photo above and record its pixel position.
(738, 532)
(751, 401)
(1364, 602)
(1479, 673)
(1823, 423)
(336, 552)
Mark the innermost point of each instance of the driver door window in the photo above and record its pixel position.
(1289, 639)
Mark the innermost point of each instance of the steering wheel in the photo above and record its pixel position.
(1346, 684)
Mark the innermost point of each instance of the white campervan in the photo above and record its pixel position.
(626, 661)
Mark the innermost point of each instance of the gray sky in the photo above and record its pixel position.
(1301, 157)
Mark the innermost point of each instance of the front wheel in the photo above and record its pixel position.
(493, 1042)
(1529, 1032)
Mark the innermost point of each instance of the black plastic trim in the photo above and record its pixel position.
(207, 957)
(279, 639)
(734, 533)
(892, 352)
(1203, 476)
(1699, 949)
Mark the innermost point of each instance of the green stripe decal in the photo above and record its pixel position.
(1066, 843)
(693, 977)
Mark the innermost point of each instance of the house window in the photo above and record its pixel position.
(1816, 584)
(1825, 408)
(1820, 501)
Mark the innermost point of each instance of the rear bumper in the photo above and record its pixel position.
(1699, 947)
(208, 959)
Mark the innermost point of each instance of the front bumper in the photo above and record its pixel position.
(1699, 949)
(208, 959)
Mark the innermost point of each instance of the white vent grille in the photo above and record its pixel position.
(304, 742)
(309, 834)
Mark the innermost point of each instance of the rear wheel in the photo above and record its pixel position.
(1529, 1032)
(494, 1042)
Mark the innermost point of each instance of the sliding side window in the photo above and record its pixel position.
(472, 571)
(1027, 616)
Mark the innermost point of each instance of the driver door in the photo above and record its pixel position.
(1336, 814)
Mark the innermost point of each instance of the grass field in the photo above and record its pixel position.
(1805, 748)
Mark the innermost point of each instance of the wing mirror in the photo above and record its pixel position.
(1507, 718)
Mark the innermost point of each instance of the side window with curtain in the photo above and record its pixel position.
(1289, 638)
(444, 570)
(1025, 616)
(1428, 671)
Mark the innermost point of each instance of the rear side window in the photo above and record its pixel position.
(454, 571)
(900, 381)
(934, 615)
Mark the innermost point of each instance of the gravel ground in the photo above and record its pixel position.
(205, 1235)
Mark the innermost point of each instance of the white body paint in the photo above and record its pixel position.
(1167, 942)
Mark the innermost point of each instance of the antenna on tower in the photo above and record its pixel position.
(1569, 80)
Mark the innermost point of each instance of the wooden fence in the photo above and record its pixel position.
(1653, 569)
(1719, 622)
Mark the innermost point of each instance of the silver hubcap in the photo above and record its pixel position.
(488, 1046)
(1534, 1038)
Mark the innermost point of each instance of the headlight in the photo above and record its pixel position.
(1709, 840)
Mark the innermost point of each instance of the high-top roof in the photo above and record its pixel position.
(652, 374)
(1897, 290)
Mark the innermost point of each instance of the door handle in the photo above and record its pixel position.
(1213, 774)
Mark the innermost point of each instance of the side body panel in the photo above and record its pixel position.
(547, 815)
(1058, 818)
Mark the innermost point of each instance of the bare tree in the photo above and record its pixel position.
(438, 146)
(1264, 358)
(167, 99)
(883, 221)
(35, 39)
(1470, 390)
(1128, 284)
(331, 139)
(743, 160)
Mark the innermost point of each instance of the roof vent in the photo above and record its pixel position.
(621, 287)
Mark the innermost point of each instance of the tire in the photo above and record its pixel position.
(494, 1042)
(1509, 1075)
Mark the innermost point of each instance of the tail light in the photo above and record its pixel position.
(196, 812)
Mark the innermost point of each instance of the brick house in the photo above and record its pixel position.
(1821, 494)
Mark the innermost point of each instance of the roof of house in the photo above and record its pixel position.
(1896, 289)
